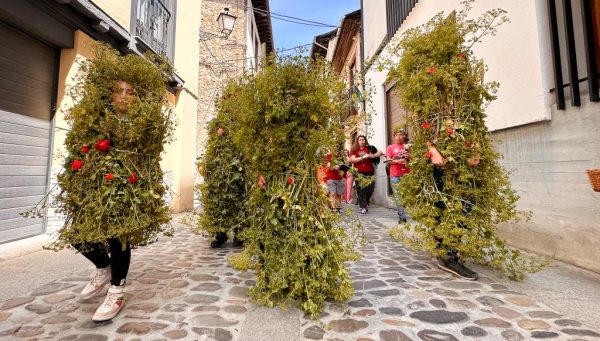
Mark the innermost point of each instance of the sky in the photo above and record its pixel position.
(287, 35)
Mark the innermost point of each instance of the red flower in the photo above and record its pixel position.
(429, 154)
(85, 149)
(76, 165)
(290, 181)
(469, 144)
(329, 156)
(102, 145)
(450, 131)
(461, 56)
(132, 178)
(108, 176)
(426, 125)
(431, 70)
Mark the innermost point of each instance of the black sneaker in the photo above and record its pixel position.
(238, 242)
(401, 220)
(453, 266)
(363, 211)
(215, 244)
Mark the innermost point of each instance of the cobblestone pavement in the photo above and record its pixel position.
(180, 289)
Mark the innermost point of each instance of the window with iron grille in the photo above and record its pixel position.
(153, 21)
(575, 43)
(396, 13)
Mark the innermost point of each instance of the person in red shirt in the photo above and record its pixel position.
(335, 184)
(397, 156)
(362, 156)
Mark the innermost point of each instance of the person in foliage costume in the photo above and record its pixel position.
(112, 186)
(456, 190)
(223, 192)
(283, 119)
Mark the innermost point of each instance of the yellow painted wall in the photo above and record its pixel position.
(119, 10)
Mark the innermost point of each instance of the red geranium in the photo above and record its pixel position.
(431, 70)
(329, 156)
(102, 145)
(85, 149)
(450, 131)
(469, 144)
(429, 154)
(108, 176)
(132, 178)
(76, 165)
(426, 125)
(290, 181)
(461, 56)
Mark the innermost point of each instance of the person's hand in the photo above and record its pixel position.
(436, 158)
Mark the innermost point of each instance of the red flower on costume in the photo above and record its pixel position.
(431, 70)
(290, 181)
(85, 149)
(102, 145)
(76, 165)
(450, 131)
(426, 125)
(429, 155)
(132, 178)
(461, 56)
(469, 144)
(108, 176)
(329, 156)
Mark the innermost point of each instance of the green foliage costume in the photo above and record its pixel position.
(440, 83)
(283, 120)
(112, 185)
(223, 192)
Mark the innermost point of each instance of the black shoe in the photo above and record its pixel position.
(238, 242)
(363, 211)
(215, 244)
(401, 220)
(453, 266)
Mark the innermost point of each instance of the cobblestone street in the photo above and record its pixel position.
(180, 289)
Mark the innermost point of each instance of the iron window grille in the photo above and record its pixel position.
(154, 23)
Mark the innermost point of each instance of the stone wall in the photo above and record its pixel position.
(220, 60)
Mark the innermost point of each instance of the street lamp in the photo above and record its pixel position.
(226, 22)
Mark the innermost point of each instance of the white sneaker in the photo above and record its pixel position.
(112, 304)
(97, 283)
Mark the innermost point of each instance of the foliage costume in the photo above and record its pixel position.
(112, 186)
(458, 204)
(286, 118)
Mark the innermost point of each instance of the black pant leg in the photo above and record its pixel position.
(369, 192)
(362, 196)
(119, 261)
(95, 252)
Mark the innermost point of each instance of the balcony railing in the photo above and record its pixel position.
(154, 24)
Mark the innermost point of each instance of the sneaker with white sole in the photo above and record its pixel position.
(96, 284)
(363, 211)
(112, 305)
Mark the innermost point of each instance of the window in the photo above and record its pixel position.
(575, 43)
(153, 22)
(396, 12)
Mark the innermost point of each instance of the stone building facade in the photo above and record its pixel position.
(224, 58)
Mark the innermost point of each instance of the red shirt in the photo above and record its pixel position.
(364, 166)
(332, 174)
(397, 150)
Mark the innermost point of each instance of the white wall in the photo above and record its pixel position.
(251, 38)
